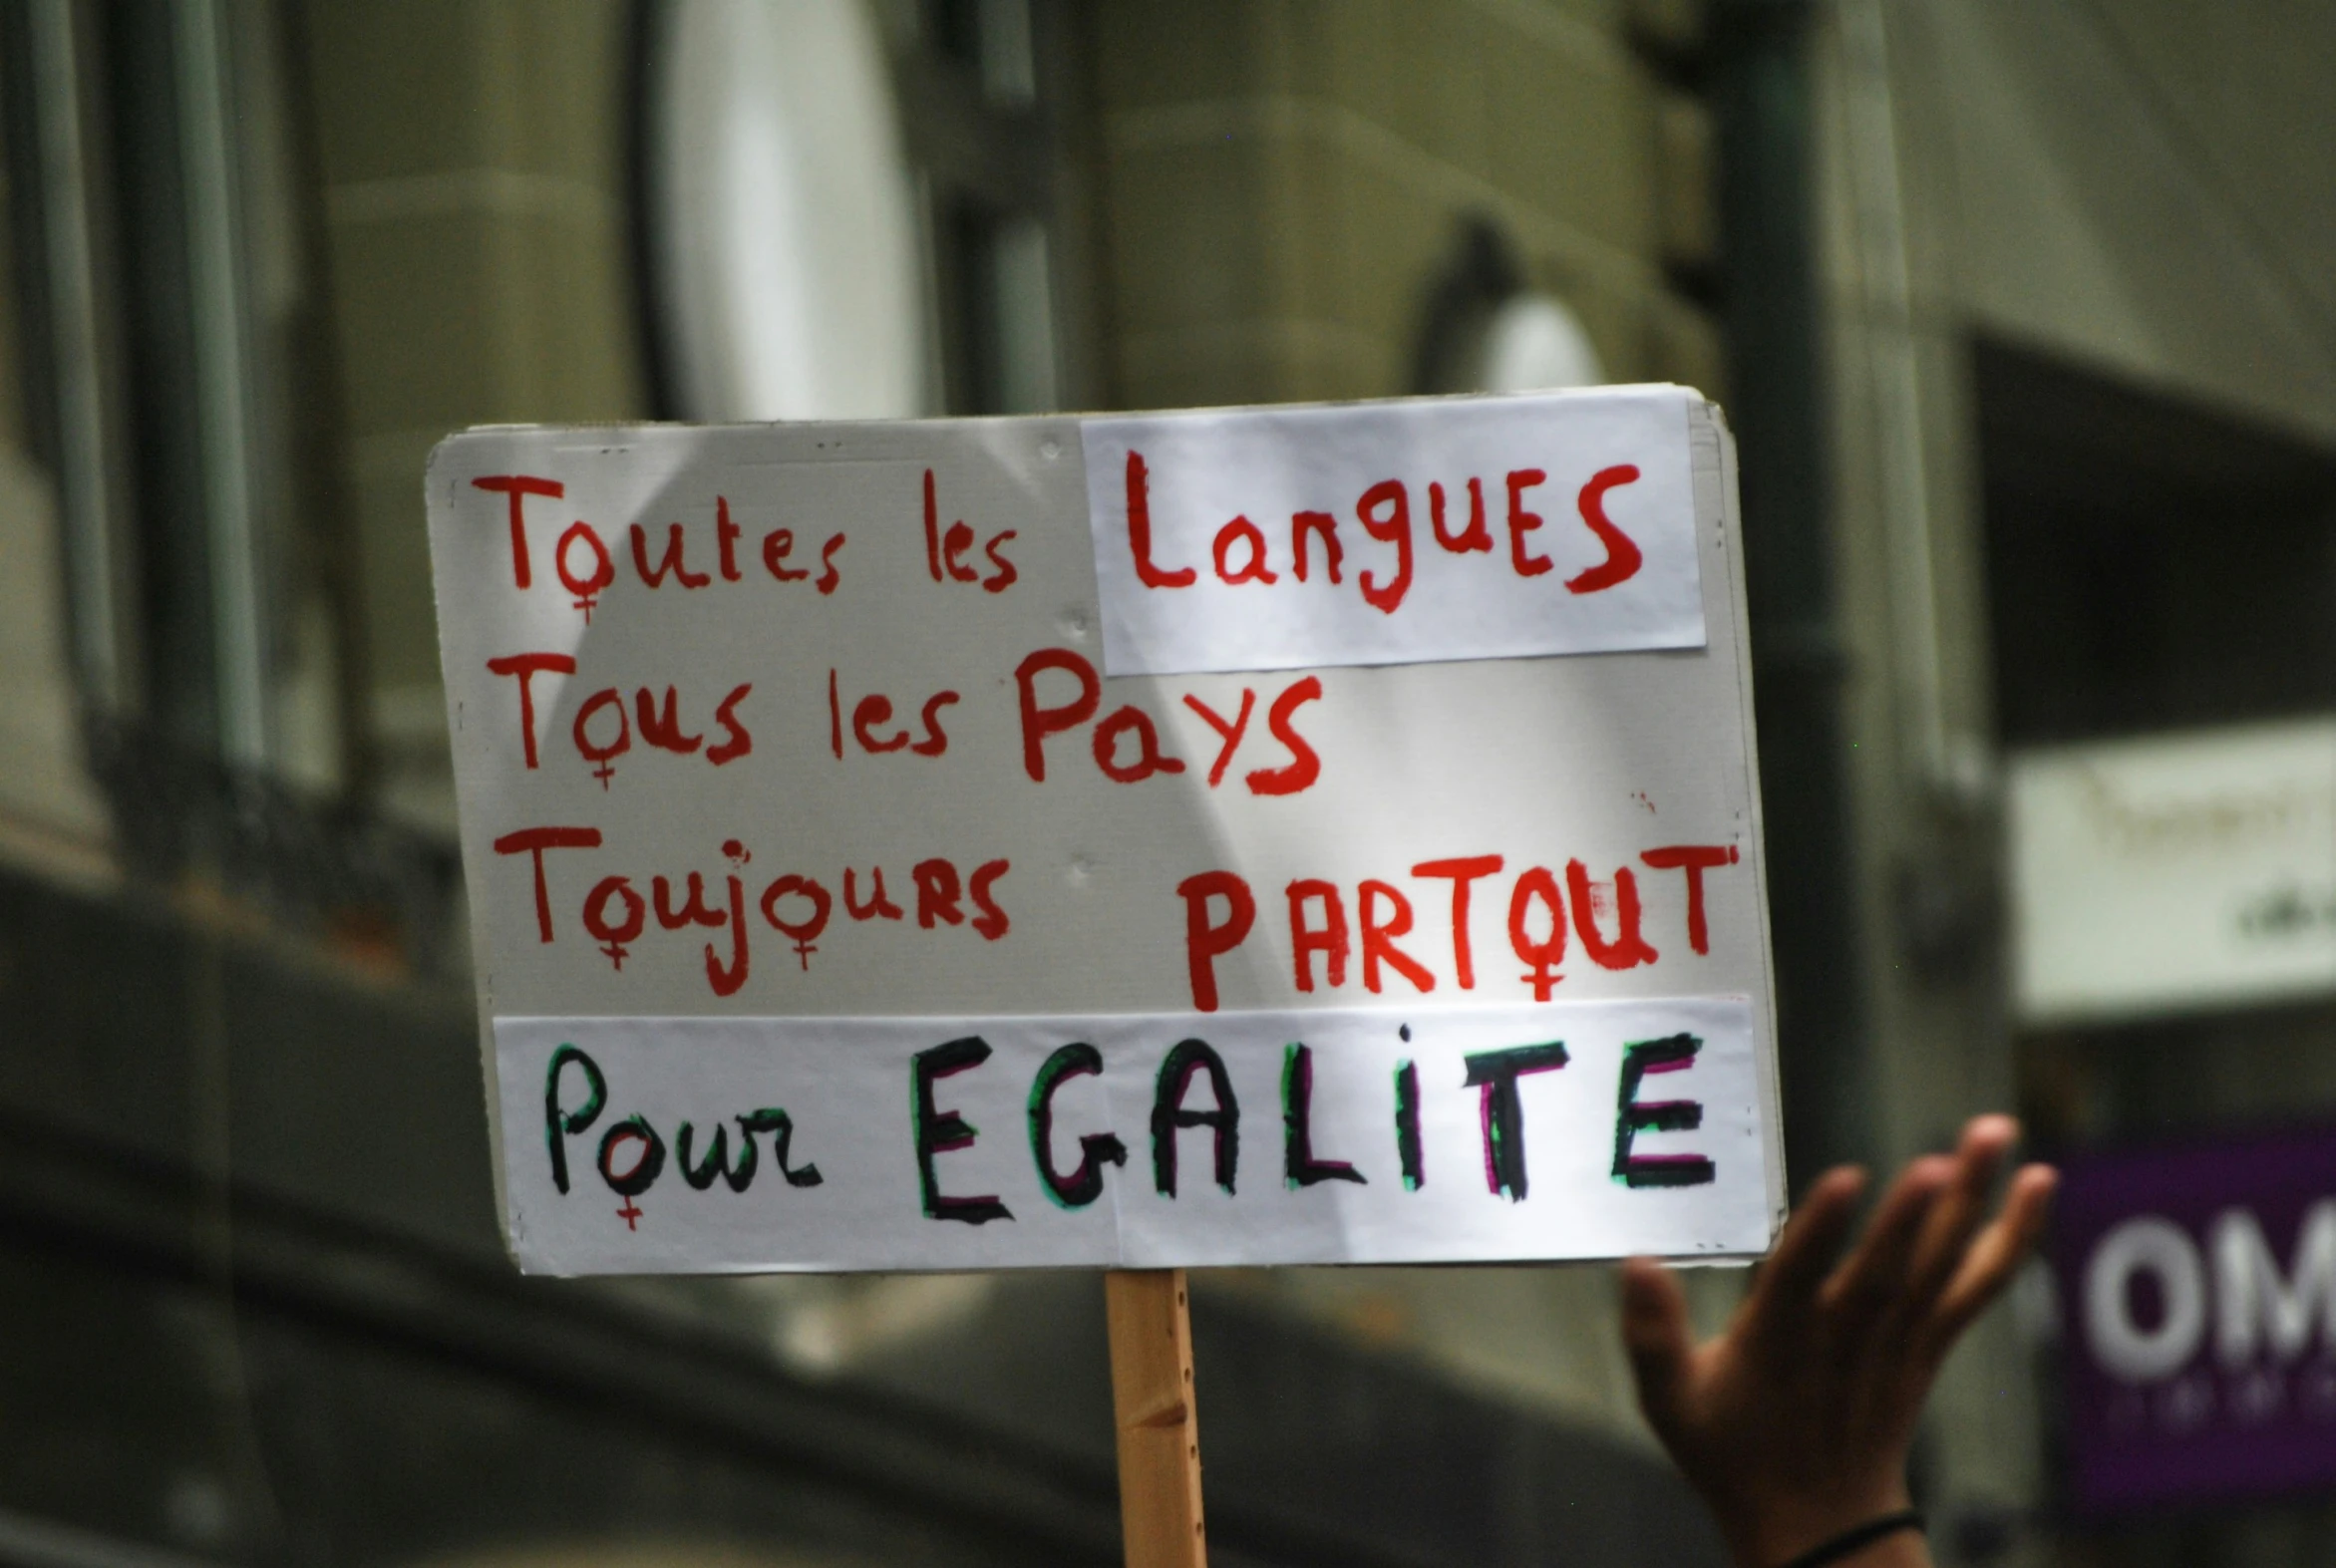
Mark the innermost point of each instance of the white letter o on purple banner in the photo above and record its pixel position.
(2125, 1348)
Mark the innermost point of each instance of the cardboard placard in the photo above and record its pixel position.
(804, 811)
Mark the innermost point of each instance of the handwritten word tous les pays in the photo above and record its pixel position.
(798, 906)
(1242, 554)
(1125, 743)
(1540, 901)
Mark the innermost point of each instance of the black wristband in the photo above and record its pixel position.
(1859, 1537)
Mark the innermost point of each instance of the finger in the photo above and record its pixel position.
(1812, 1241)
(1997, 1254)
(1863, 1286)
(1961, 1209)
(1657, 1338)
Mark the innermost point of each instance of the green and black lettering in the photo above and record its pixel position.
(645, 1170)
(558, 1124)
(1097, 1149)
(1672, 1054)
(717, 1159)
(939, 1131)
(781, 1127)
(1299, 1167)
(1169, 1116)
(1496, 1072)
(1407, 1124)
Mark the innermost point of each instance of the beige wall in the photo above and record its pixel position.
(1281, 179)
(2143, 184)
(52, 817)
(472, 161)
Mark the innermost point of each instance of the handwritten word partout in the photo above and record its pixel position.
(859, 1142)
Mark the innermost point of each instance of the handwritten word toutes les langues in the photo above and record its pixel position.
(1245, 551)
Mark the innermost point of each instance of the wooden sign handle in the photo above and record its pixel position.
(1159, 1435)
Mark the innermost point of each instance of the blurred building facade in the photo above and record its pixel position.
(2081, 349)
(1936, 257)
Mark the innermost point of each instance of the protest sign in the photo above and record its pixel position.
(1320, 834)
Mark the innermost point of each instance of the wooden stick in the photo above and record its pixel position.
(1159, 1435)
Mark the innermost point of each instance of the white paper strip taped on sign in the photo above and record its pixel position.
(1422, 1135)
(2174, 872)
(788, 755)
(1284, 538)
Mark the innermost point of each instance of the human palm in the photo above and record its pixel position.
(1794, 1421)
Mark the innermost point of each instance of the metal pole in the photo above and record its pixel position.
(85, 492)
(1762, 99)
(212, 182)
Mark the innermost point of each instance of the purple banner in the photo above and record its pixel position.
(2199, 1289)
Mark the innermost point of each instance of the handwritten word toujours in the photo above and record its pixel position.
(1540, 903)
(798, 906)
(1241, 552)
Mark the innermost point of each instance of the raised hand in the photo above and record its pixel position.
(1795, 1423)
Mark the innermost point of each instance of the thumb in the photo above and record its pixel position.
(1656, 1337)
